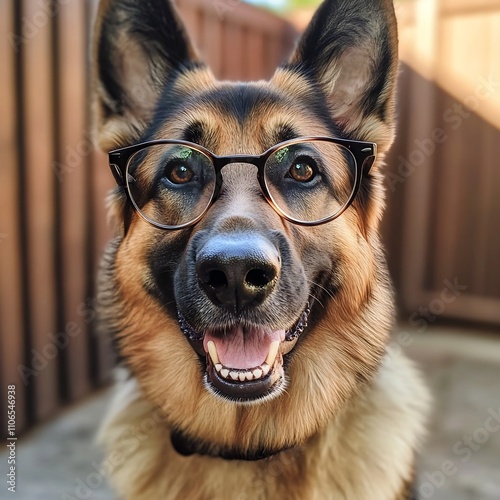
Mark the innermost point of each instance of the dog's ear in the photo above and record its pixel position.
(350, 50)
(138, 46)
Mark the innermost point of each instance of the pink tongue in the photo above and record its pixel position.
(244, 350)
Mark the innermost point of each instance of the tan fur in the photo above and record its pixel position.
(365, 453)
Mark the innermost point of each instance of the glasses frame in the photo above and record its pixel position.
(364, 154)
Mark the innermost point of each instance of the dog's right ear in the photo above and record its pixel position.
(350, 51)
(138, 46)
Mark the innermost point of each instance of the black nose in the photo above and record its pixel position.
(238, 271)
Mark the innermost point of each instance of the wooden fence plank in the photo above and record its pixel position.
(253, 54)
(232, 53)
(492, 281)
(11, 314)
(75, 148)
(491, 263)
(275, 53)
(467, 7)
(418, 193)
(101, 182)
(211, 43)
(39, 141)
(484, 222)
(192, 18)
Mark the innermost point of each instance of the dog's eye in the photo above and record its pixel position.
(302, 171)
(180, 174)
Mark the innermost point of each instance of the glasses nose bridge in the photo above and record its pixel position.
(255, 160)
(220, 162)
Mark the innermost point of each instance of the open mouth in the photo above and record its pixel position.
(244, 363)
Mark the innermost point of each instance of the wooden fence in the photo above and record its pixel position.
(443, 184)
(53, 183)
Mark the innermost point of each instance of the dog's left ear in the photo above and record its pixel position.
(138, 46)
(350, 50)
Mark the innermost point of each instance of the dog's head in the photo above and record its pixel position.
(247, 322)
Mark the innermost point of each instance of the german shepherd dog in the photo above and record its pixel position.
(246, 287)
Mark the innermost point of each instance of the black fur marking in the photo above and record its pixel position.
(364, 198)
(337, 25)
(239, 101)
(284, 133)
(109, 78)
(195, 133)
(164, 258)
(156, 22)
(153, 25)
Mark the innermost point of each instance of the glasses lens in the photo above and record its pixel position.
(311, 181)
(170, 184)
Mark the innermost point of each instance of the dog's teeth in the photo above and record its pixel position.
(212, 350)
(273, 351)
(243, 376)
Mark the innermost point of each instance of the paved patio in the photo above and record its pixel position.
(461, 460)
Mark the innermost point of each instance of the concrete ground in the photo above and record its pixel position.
(461, 460)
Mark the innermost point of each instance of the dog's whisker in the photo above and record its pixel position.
(315, 298)
(328, 292)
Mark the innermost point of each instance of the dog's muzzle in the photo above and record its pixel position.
(244, 360)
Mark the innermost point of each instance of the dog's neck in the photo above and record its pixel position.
(187, 446)
(366, 449)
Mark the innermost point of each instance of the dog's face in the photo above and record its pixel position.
(211, 318)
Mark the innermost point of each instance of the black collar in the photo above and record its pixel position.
(187, 446)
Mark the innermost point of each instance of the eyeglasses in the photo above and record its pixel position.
(307, 181)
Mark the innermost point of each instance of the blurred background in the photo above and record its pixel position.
(441, 228)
